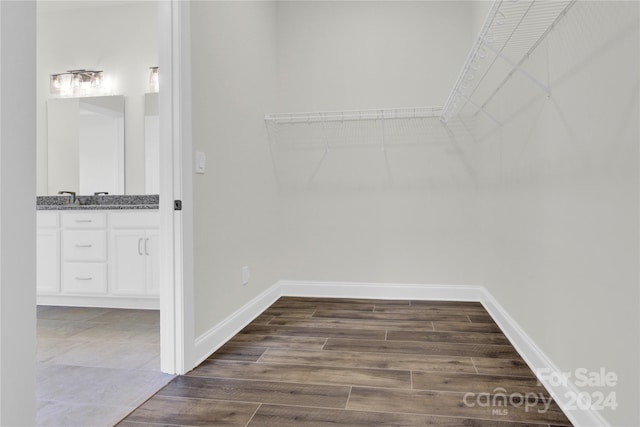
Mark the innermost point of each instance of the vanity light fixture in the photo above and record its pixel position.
(154, 85)
(75, 82)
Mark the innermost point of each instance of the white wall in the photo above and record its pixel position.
(355, 55)
(17, 213)
(544, 211)
(236, 214)
(121, 40)
(360, 213)
(559, 194)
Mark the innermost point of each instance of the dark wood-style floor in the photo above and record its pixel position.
(346, 362)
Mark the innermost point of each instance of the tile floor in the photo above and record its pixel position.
(311, 362)
(95, 365)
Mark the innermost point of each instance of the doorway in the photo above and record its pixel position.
(18, 248)
(169, 320)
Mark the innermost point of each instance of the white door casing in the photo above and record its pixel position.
(176, 226)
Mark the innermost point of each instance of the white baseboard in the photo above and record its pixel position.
(380, 291)
(152, 303)
(537, 360)
(207, 343)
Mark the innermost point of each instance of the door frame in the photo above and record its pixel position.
(176, 226)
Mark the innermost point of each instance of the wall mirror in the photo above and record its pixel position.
(85, 144)
(151, 144)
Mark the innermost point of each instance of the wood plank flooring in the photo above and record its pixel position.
(358, 362)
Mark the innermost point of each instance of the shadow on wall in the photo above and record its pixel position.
(565, 54)
(579, 61)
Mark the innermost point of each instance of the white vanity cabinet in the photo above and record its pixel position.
(106, 258)
(84, 253)
(48, 252)
(134, 253)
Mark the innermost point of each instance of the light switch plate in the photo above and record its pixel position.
(201, 162)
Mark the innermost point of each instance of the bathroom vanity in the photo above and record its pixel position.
(99, 251)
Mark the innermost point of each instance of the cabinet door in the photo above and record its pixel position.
(128, 263)
(152, 248)
(48, 261)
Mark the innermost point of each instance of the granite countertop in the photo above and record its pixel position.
(50, 203)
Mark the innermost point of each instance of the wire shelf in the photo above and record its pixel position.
(350, 115)
(511, 32)
(358, 128)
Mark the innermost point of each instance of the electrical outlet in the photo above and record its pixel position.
(246, 275)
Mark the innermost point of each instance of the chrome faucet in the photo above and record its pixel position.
(72, 196)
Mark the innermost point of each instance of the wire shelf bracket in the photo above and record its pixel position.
(480, 109)
(517, 67)
(511, 31)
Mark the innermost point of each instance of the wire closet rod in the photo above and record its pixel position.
(351, 115)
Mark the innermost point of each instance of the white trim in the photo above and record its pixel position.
(217, 336)
(176, 235)
(538, 361)
(381, 291)
(168, 325)
(143, 303)
(183, 182)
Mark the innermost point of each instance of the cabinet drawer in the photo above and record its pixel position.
(146, 219)
(84, 278)
(84, 245)
(84, 220)
(47, 219)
